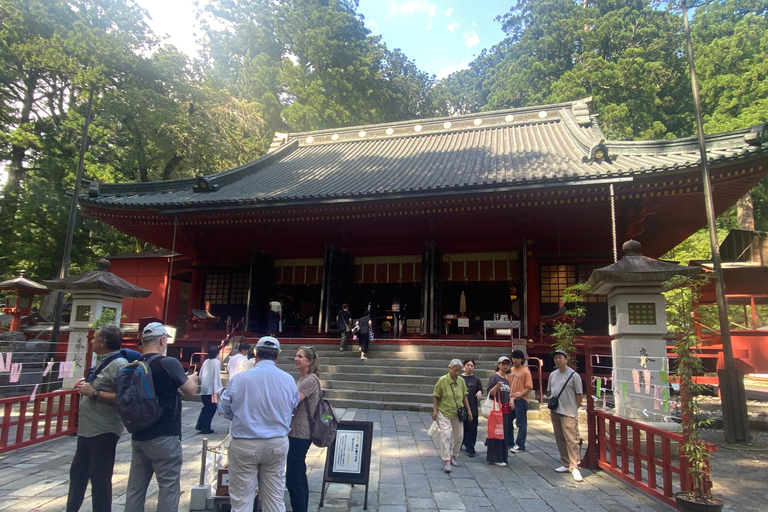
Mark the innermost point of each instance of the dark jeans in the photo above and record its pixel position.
(344, 337)
(94, 460)
(470, 434)
(206, 414)
(296, 473)
(509, 428)
(520, 414)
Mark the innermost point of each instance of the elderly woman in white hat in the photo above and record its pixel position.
(450, 408)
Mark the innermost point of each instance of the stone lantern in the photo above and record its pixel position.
(19, 294)
(92, 294)
(637, 320)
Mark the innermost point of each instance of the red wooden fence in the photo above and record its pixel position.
(26, 422)
(630, 450)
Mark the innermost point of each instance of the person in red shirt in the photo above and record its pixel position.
(520, 384)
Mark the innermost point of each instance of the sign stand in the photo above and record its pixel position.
(348, 459)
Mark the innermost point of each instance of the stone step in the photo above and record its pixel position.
(397, 377)
(400, 379)
(445, 352)
(369, 367)
(386, 359)
(380, 405)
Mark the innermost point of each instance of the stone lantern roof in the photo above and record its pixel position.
(100, 280)
(636, 269)
(22, 283)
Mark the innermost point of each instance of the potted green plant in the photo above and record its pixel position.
(566, 332)
(681, 307)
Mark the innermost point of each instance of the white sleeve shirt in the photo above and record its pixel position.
(210, 377)
(235, 364)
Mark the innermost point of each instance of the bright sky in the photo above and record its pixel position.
(441, 36)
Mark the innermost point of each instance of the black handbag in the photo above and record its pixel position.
(554, 401)
(461, 411)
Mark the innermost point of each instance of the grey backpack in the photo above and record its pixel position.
(323, 424)
(135, 395)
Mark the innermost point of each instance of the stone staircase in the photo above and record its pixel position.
(396, 377)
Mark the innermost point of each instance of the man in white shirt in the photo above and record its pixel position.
(260, 403)
(565, 385)
(236, 362)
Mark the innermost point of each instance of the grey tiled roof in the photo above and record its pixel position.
(492, 151)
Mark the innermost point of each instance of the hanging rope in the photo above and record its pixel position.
(613, 222)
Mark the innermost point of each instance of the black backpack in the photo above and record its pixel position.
(136, 398)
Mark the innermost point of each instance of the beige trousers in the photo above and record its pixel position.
(567, 436)
(262, 461)
(451, 435)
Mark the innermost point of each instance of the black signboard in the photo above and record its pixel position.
(348, 459)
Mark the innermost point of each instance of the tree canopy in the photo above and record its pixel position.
(295, 65)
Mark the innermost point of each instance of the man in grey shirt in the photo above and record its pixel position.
(565, 383)
(99, 427)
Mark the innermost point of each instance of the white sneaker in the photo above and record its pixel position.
(577, 475)
(502, 464)
(363, 357)
(516, 449)
(562, 469)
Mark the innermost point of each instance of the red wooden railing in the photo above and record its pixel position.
(48, 416)
(629, 450)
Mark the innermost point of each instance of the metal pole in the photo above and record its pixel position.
(202, 461)
(64, 269)
(734, 412)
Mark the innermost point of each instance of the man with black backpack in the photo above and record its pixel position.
(99, 427)
(156, 449)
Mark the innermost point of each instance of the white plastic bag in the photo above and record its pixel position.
(487, 407)
(433, 429)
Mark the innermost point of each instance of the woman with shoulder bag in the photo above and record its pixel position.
(498, 389)
(300, 438)
(474, 394)
(449, 406)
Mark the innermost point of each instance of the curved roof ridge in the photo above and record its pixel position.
(451, 118)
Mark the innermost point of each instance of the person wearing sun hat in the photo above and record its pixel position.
(565, 384)
(498, 389)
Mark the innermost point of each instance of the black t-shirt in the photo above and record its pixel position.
(503, 389)
(473, 386)
(344, 317)
(168, 376)
(364, 324)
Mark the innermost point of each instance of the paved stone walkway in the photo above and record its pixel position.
(406, 474)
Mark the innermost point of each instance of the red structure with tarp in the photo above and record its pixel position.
(508, 207)
(745, 274)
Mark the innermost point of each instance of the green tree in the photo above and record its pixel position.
(312, 64)
(50, 51)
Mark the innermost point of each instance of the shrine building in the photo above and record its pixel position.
(506, 208)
